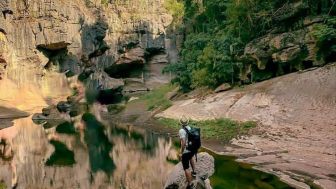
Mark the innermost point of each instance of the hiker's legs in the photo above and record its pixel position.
(188, 176)
(186, 158)
(192, 162)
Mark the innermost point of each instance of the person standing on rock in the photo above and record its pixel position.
(189, 148)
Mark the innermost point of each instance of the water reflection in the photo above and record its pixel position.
(230, 174)
(84, 153)
(98, 145)
(65, 127)
(62, 156)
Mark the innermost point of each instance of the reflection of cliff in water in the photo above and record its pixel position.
(62, 155)
(98, 145)
(99, 156)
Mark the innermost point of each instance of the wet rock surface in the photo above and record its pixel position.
(205, 167)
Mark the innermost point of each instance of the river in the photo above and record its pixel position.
(107, 156)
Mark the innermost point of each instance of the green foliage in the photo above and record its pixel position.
(217, 31)
(176, 9)
(115, 108)
(220, 129)
(2, 185)
(156, 99)
(104, 2)
(325, 35)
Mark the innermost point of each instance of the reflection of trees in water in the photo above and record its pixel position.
(232, 174)
(121, 157)
(146, 141)
(61, 156)
(98, 145)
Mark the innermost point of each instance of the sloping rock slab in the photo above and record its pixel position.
(205, 167)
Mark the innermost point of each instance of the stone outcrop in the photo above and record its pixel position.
(283, 47)
(205, 167)
(223, 87)
(73, 37)
(291, 46)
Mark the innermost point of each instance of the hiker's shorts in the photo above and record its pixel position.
(186, 157)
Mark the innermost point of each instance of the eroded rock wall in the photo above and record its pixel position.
(126, 39)
(298, 41)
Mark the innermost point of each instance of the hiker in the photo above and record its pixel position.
(190, 143)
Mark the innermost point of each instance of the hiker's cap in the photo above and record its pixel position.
(184, 121)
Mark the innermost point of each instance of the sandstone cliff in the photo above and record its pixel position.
(125, 39)
(298, 40)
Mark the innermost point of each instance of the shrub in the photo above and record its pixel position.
(221, 129)
(176, 9)
(156, 99)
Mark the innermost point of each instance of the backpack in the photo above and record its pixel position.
(194, 139)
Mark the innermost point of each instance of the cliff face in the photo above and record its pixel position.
(43, 43)
(299, 40)
(41, 36)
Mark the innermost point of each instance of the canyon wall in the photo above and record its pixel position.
(98, 41)
(303, 36)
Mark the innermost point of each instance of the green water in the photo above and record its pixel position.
(230, 174)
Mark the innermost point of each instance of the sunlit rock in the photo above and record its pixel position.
(205, 167)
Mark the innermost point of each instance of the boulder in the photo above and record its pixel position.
(290, 10)
(205, 167)
(223, 87)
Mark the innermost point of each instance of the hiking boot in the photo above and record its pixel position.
(193, 174)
